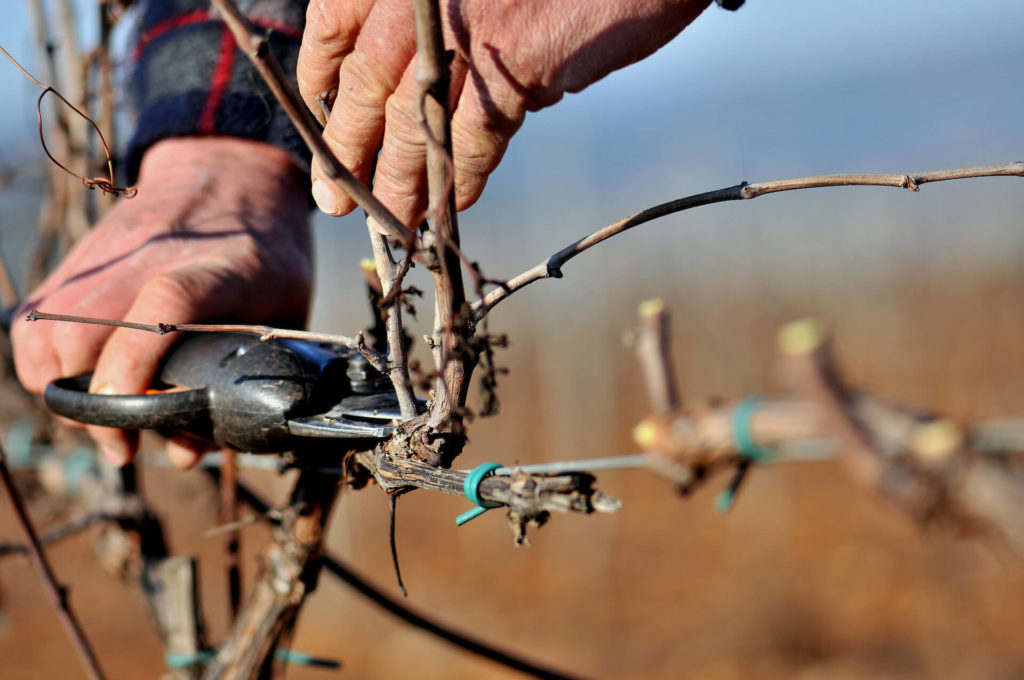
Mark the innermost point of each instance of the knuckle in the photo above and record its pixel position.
(168, 291)
(325, 23)
(404, 126)
(476, 150)
(396, 179)
(317, 70)
(400, 175)
(68, 338)
(408, 203)
(404, 142)
(361, 86)
(354, 155)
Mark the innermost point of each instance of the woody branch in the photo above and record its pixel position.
(927, 465)
(450, 332)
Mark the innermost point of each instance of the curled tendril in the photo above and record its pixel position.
(104, 184)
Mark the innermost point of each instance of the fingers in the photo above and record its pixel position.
(130, 358)
(487, 116)
(47, 349)
(43, 348)
(216, 221)
(524, 55)
(36, 362)
(400, 181)
(368, 76)
(480, 135)
(329, 36)
(184, 450)
(378, 107)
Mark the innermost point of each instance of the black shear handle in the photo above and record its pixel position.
(185, 409)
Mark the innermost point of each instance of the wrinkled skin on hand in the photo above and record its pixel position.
(218, 231)
(511, 56)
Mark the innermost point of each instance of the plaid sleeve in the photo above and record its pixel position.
(189, 78)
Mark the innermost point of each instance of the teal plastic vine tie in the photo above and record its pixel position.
(741, 436)
(176, 661)
(81, 461)
(303, 659)
(723, 502)
(471, 486)
(179, 661)
(746, 447)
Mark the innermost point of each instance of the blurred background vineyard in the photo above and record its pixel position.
(809, 576)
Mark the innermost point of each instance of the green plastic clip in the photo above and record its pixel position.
(471, 486)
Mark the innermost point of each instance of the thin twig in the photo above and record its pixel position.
(42, 565)
(397, 362)
(552, 266)
(357, 343)
(399, 274)
(72, 130)
(272, 515)
(653, 349)
(812, 369)
(483, 343)
(432, 76)
(392, 508)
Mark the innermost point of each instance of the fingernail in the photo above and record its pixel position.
(181, 456)
(115, 454)
(324, 197)
(102, 388)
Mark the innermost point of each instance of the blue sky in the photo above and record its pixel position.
(767, 48)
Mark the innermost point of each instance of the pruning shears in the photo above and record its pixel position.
(247, 394)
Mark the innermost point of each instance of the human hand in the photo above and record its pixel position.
(511, 56)
(217, 231)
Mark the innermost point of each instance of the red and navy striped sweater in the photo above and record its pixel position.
(189, 78)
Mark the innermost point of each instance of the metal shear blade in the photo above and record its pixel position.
(354, 417)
